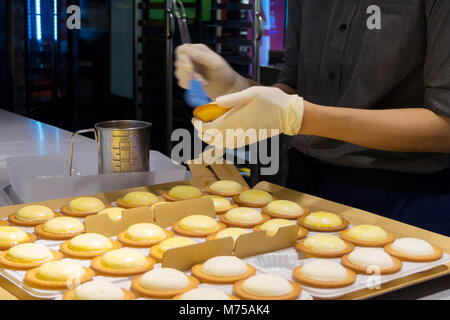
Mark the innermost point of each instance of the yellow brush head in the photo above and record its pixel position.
(209, 112)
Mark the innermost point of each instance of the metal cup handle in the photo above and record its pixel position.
(72, 141)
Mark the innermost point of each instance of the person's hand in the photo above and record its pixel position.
(200, 62)
(252, 110)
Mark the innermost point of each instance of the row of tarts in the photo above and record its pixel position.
(249, 210)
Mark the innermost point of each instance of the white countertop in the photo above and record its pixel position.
(22, 136)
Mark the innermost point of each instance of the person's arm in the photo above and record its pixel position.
(403, 130)
(282, 86)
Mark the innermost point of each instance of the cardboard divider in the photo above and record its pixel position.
(229, 172)
(101, 223)
(183, 258)
(254, 243)
(165, 215)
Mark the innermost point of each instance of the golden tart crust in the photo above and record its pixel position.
(240, 293)
(173, 199)
(196, 234)
(362, 243)
(142, 243)
(30, 238)
(97, 265)
(435, 256)
(229, 223)
(197, 272)
(321, 254)
(24, 223)
(136, 286)
(31, 279)
(224, 194)
(4, 223)
(64, 248)
(8, 264)
(251, 204)
(125, 205)
(343, 225)
(39, 230)
(232, 206)
(350, 279)
(362, 269)
(65, 210)
(127, 295)
(305, 212)
(302, 232)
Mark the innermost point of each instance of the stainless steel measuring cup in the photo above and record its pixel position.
(123, 146)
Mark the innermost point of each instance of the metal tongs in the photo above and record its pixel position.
(195, 96)
(182, 21)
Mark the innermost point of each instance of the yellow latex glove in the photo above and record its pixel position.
(256, 108)
(197, 61)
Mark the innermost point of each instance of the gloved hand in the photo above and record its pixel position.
(255, 108)
(200, 62)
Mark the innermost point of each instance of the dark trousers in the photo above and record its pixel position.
(419, 200)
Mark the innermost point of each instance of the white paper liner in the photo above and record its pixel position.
(282, 263)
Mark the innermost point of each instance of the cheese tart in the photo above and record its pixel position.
(223, 270)
(114, 213)
(88, 246)
(183, 192)
(136, 199)
(285, 209)
(163, 283)
(157, 251)
(205, 294)
(122, 263)
(367, 235)
(413, 250)
(30, 216)
(253, 198)
(228, 232)
(324, 246)
(60, 274)
(243, 217)
(323, 273)
(143, 235)
(225, 188)
(197, 225)
(271, 227)
(26, 256)
(11, 236)
(266, 287)
(83, 207)
(221, 204)
(371, 260)
(98, 290)
(323, 221)
(60, 228)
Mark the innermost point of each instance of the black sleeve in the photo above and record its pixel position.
(437, 62)
(289, 73)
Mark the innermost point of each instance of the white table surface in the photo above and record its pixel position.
(21, 136)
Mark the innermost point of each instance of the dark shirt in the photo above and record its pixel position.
(334, 59)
